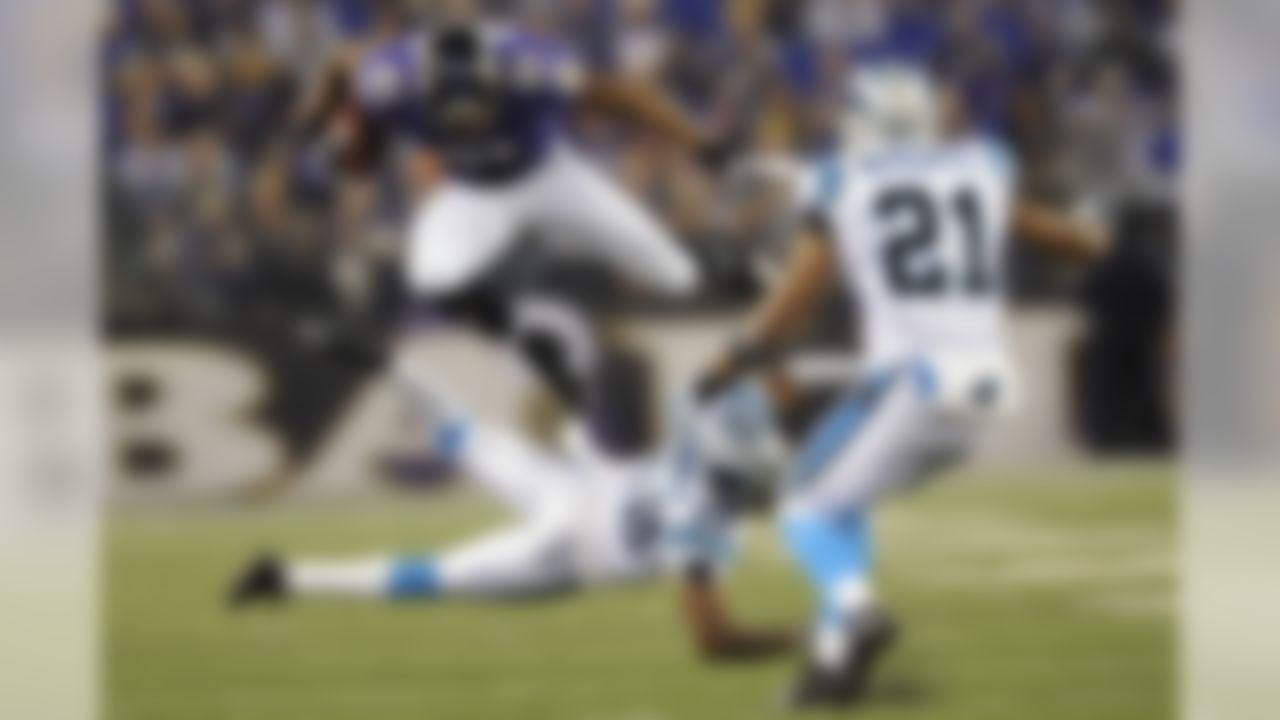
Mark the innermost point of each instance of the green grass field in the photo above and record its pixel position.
(1042, 599)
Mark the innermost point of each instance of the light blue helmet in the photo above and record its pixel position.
(891, 105)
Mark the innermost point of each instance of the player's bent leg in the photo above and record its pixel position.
(859, 452)
(577, 198)
(605, 383)
(559, 343)
(887, 437)
(878, 443)
(458, 235)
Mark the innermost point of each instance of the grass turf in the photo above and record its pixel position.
(1046, 598)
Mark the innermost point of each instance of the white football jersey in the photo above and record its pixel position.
(921, 236)
(645, 521)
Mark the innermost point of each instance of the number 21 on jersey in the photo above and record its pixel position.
(916, 224)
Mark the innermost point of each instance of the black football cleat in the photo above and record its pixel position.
(261, 582)
(821, 688)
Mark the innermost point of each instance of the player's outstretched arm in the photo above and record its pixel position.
(716, 635)
(783, 313)
(642, 103)
(1052, 231)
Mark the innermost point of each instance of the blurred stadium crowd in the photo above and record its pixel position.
(219, 209)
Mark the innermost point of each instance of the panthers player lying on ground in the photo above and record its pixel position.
(913, 216)
(577, 525)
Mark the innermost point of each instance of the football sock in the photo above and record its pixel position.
(376, 578)
(835, 553)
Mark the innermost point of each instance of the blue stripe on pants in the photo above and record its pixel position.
(838, 429)
(413, 578)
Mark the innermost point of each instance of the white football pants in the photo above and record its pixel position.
(463, 230)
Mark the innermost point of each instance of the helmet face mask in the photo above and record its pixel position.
(457, 47)
(462, 81)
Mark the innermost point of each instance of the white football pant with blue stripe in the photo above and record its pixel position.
(534, 556)
(576, 523)
(891, 434)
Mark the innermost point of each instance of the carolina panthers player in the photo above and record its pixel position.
(913, 217)
(495, 105)
(578, 525)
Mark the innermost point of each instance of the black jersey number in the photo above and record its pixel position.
(912, 259)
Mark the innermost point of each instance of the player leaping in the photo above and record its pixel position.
(915, 221)
(495, 106)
